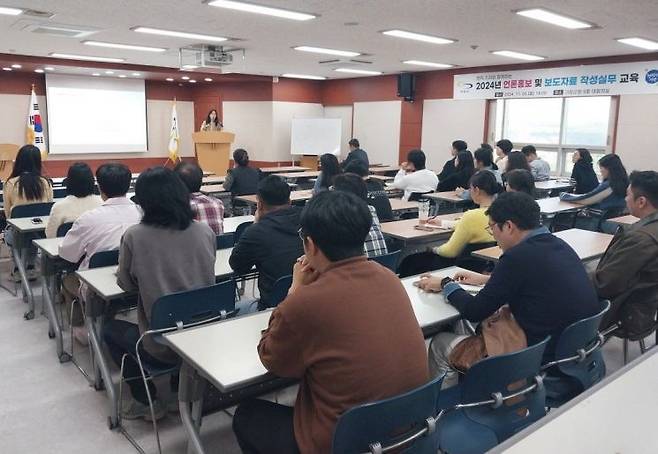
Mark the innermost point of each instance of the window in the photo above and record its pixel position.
(557, 126)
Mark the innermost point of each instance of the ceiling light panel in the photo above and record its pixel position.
(518, 55)
(358, 71)
(176, 34)
(303, 76)
(418, 37)
(124, 46)
(322, 50)
(260, 9)
(550, 17)
(640, 42)
(427, 63)
(87, 57)
(10, 11)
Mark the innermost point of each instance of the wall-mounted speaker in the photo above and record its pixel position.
(406, 86)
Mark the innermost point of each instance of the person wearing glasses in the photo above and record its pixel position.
(538, 275)
(271, 243)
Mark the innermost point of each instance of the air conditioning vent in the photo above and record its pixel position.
(62, 31)
(38, 14)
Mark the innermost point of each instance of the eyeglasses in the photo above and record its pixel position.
(300, 232)
(489, 228)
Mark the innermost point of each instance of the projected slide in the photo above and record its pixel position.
(95, 115)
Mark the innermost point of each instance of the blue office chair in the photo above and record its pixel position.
(104, 258)
(389, 260)
(497, 397)
(60, 193)
(406, 421)
(225, 241)
(239, 230)
(179, 311)
(578, 363)
(31, 210)
(278, 293)
(63, 229)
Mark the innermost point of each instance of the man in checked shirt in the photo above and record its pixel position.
(205, 208)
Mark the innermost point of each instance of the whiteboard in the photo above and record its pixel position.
(315, 136)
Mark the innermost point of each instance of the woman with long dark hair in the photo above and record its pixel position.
(464, 170)
(212, 123)
(583, 171)
(516, 160)
(167, 252)
(329, 168)
(611, 193)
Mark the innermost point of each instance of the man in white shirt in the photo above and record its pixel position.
(413, 177)
(101, 229)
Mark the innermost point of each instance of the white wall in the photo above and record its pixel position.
(377, 126)
(13, 117)
(447, 120)
(251, 122)
(637, 132)
(282, 115)
(345, 114)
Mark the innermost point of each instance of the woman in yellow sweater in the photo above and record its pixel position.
(470, 229)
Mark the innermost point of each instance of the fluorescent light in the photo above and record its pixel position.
(190, 67)
(427, 63)
(123, 76)
(136, 74)
(322, 50)
(124, 46)
(208, 79)
(259, 9)
(109, 72)
(303, 76)
(6, 69)
(553, 18)
(358, 71)
(49, 68)
(185, 78)
(40, 71)
(418, 37)
(640, 42)
(10, 11)
(16, 66)
(158, 31)
(192, 81)
(96, 74)
(87, 57)
(169, 79)
(518, 55)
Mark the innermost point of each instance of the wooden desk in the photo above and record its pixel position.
(625, 220)
(295, 196)
(306, 174)
(588, 245)
(405, 229)
(212, 189)
(383, 170)
(617, 415)
(403, 205)
(232, 223)
(283, 169)
(553, 205)
(212, 180)
(554, 185)
(447, 196)
(382, 178)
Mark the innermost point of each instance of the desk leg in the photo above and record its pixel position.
(190, 390)
(19, 257)
(101, 363)
(48, 301)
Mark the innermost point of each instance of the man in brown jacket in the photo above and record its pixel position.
(627, 274)
(346, 329)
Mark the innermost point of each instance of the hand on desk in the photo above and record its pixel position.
(459, 191)
(429, 283)
(302, 274)
(470, 278)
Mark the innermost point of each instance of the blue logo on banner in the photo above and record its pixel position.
(652, 76)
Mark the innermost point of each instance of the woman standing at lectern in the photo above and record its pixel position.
(211, 123)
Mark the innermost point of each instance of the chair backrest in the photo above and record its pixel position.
(193, 306)
(224, 241)
(104, 258)
(580, 336)
(31, 210)
(279, 292)
(389, 260)
(63, 229)
(60, 193)
(416, 196)
(503, 375)
(387, 420)
(239, 230)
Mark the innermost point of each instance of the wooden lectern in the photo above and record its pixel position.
(213, 149)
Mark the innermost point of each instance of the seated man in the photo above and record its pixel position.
(541, 170)
(205, 208)
(539, 276)
(627, 274)
(271, 243)
(346, 329)
(100, 229)
(413, 177)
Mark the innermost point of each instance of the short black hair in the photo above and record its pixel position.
(354, 142)
(273, 191)
(113, 179)
(516, 207)
(190, 174)
(521, 180)
(358, 167)
(484, 155)
(460, 145)
(485, 181)
(528, 150)
(645, 184)
(417, 158)
(352, 183)
(79, 180)
(585, 155)
(338, 222)
(241, 157)
(164, 199)
(505, 145)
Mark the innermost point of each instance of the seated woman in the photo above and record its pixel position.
(520, 180)
(146, 267)
(329, 168)
(25, 186)
(611, 192)
(483, 157)
(464, 170)
(80, 189)
(516, 160)
(583, 172)
(471, 229)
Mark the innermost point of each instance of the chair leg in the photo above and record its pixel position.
(625, 351)
(643, 346)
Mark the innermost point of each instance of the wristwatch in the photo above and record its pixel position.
(445, 281)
